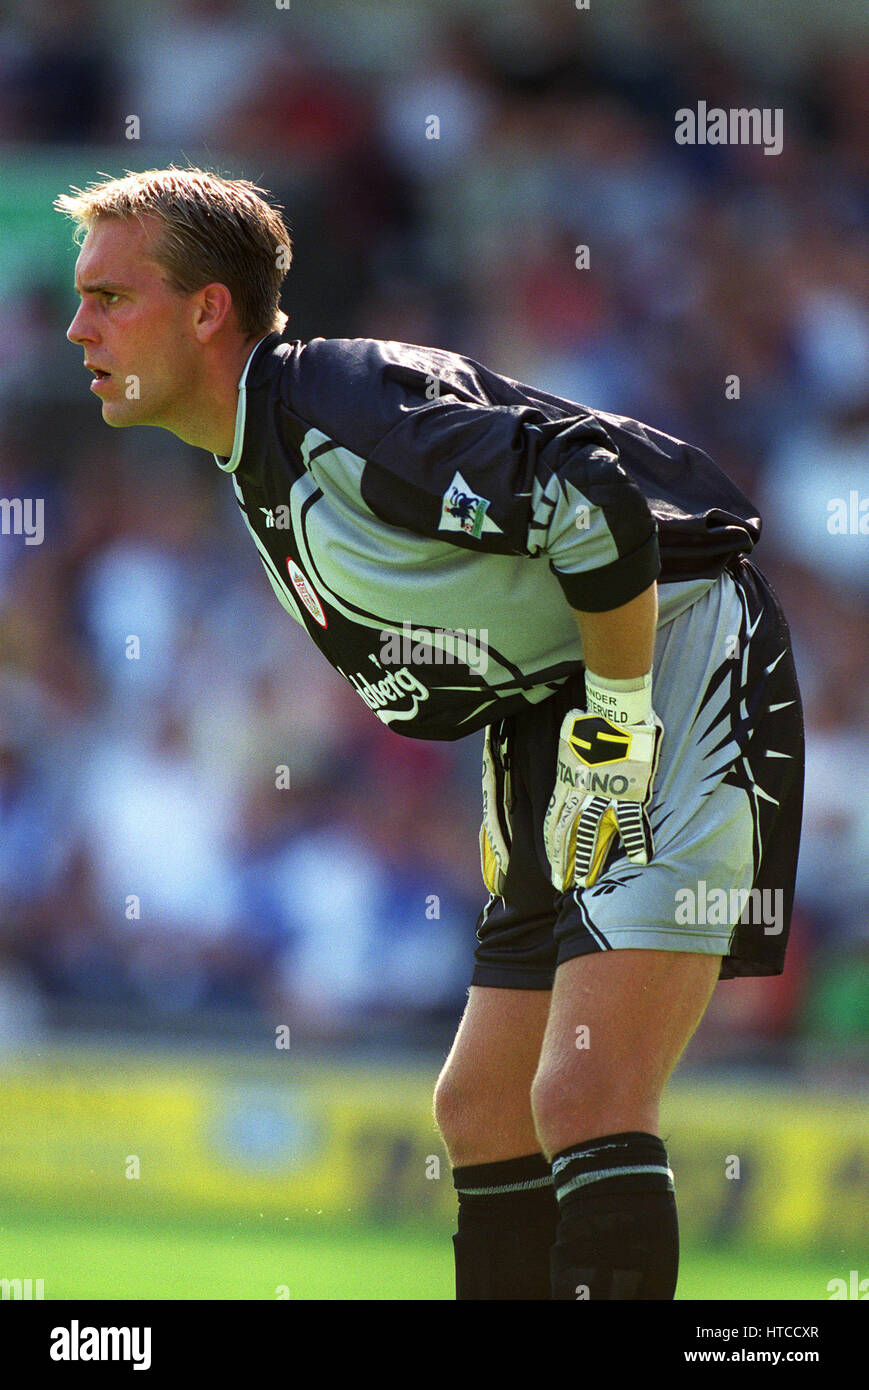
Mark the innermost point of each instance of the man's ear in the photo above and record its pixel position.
(212, 306)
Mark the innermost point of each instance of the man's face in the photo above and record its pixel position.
(133, 326)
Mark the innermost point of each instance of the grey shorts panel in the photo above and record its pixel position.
(725, 811)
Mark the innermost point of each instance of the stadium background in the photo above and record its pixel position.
(223, 1004)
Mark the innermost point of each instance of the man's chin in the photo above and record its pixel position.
(120, 415)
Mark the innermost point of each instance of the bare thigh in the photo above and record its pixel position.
(618, 1024)
(483, 1094)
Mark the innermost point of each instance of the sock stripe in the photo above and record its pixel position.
(508, 1175)
(636, 1157)
(585, 1178)
(527, 1186)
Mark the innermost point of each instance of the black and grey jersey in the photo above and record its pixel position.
(432, 524)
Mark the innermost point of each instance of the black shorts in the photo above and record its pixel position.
(726, 808)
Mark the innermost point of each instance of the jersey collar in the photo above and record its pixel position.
(229, 465)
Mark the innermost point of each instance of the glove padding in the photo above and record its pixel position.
(494, 843)
(602, 790)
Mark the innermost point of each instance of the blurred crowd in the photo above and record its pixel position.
(207, 820)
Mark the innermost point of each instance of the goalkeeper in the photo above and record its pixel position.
(643, 752)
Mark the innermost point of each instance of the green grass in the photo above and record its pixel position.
(728, 1277)
(125, 1259)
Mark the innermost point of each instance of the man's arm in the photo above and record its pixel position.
(604, 778)
(620, 643)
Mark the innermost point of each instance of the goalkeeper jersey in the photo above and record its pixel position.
(432, 523)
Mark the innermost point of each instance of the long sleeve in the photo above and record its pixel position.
(508, 481)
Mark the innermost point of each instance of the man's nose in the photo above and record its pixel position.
(79, 330)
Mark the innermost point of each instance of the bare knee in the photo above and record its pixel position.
(568, 1107)
(454, 1107)
(482, 1121)
(637, 1010)
(482, 1098)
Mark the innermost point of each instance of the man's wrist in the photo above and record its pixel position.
(622, 702)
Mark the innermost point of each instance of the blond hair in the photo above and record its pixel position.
(212, 230)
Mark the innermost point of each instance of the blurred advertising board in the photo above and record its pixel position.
(295, 1138)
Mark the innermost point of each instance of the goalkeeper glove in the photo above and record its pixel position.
(495, 832)
(607, 759)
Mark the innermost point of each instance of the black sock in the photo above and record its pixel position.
(508, 1217)
(618, 1234)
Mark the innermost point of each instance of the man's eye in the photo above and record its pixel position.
(109, 295)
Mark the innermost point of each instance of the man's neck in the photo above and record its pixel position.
(211, 425)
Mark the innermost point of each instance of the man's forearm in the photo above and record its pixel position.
(620, 643)
(603, 781)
